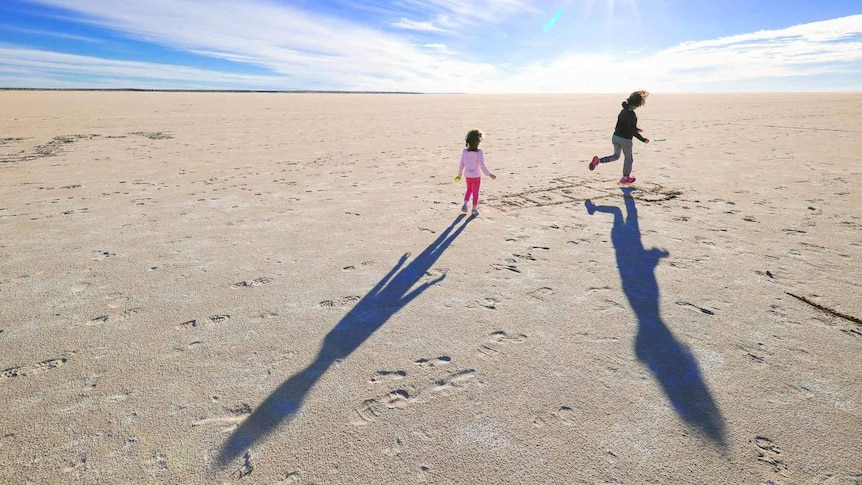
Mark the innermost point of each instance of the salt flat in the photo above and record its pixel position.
(255, 288)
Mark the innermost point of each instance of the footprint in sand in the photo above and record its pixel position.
(80, 288)
(263, 280)
(100, 320)
(347, 300)
(49, 364)
(398, 399)
(129, 313)
(542, 293)
(598, 288)
(442, 360)
(568, 416)
(368, 412)
(454, 381)
(510, 267)
(489, 303)
(102, 255)
(769, 454)
(265, 315)
(565, 416)
(116, 300)
(497, 340)
(218, 318)
(387, 375)
(246, 468)
(518, 257)
(292, 476)
(11, 372)
(44, 366)
(371, 409)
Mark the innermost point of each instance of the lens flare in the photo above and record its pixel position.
(550, 24)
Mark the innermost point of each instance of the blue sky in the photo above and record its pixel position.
(483, 46)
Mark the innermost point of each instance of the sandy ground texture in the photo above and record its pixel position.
(266, 288)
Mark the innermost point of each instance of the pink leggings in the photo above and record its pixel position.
(473, 188)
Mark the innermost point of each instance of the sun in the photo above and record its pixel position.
(611, 7)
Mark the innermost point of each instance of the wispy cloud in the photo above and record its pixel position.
(51, 69)
(454, 14)
(306, 50)
(832, 46)
(314, 51)
(48, 33)
(408, 24)
(441, 48)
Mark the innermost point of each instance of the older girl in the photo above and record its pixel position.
(626, 129)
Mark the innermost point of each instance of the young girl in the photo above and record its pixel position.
(472, 161)
(626, 129)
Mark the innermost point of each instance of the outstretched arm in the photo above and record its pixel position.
(657, 254)
(424, 286)
(609, 209)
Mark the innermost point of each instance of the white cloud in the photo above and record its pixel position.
(312, 51)
(51, 69)
(48, 33)
(458, 13)
(832, 46)
(823, 31)
(408, 24)
(441, 48)
(302, 50)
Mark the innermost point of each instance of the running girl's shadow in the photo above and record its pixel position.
(391, 294)
(672, 364)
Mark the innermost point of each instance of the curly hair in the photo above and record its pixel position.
(636, 99)
(473, 138)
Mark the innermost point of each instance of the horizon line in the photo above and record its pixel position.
(324, 91)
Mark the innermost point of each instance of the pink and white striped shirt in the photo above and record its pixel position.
(472, 163)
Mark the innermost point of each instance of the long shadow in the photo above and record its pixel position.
(389, 295)
(672, 363)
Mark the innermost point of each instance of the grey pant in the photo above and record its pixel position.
(621, 145)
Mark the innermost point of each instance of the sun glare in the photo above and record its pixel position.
(630, 8)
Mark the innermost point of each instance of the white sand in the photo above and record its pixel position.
(171, 265)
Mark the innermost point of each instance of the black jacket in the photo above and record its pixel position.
(627, 125)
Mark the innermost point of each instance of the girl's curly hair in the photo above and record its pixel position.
(636, 99)
(473, 138)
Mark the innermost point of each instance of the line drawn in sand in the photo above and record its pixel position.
(571, 189)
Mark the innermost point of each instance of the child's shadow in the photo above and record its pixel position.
(672, 364)
(391, 294)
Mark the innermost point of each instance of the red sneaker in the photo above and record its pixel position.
(627, 180)
(594, 163)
